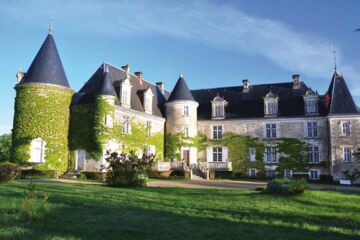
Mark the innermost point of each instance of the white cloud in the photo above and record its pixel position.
(220, 26)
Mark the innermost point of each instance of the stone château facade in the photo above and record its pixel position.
(115, 110)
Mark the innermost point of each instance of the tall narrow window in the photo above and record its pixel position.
(271, 108)
(126, 125)
(109, 121)
(217, 154)
(270, 155)
(37, 151)
(314, 155)
(217, 132)
(218, 105)
(219, 111)
(252, 172)
(312, 129)
(148, 128)
(287, 173)
(252, 154)
(270, 130)
(345, 128)
(347, 154)
(186, 111)
(186, 132)
(311, 106)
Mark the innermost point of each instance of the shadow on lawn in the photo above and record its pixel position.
(129, 214)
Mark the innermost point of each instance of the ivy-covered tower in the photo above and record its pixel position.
(41, 120)
(181, 119)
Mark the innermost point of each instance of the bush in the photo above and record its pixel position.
(34, 173)
(128, 170)
(81, 176)
(5, 146)
(286, 187)
(8, 172)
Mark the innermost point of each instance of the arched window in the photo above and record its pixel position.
(218, 107)
(125, 90)
(148, 98)
(37, 151)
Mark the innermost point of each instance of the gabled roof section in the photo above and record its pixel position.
(181, 91)
(115, 75)
(341, 100)
(47, 66)
(242, 105)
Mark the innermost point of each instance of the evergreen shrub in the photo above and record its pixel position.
(286, 187)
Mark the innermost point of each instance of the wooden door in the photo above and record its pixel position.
(186, 157)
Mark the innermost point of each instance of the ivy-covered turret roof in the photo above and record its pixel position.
(181, 91)
(47, 66)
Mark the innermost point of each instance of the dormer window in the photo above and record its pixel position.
(271, 104)
(125, 93)
(310, 102)
(148, 98)
(218, 107)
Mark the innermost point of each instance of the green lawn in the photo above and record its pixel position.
(96, 212)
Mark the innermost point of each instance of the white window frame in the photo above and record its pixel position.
(186, 111)
(345, 128)
(109, 122)
(219, 111)
(252, 154)
(288, 173)
(271, 173)
(252, 172)
(314, 170)
(217, 131)
(270, 130)
(150, 149)
(217, 154)
(36, 149)
(186, 132)
(126, 126)
(271, 108)
(271, 155)
(312, 130)
(347, 154)
(148, 128)
(314, 154)
(311, 106)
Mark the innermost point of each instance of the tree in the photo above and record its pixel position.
(127, 170)
(5, 146)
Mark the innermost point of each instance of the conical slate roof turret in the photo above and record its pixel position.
(46, 66)
(181, 91)
(106, 87)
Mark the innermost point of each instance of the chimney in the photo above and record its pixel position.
(161, 87)
(126, 68)
(296, 81)
(19, 75)
(139, 76)
(246, 85)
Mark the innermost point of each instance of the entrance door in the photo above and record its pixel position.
(81, 156)
(186, 157)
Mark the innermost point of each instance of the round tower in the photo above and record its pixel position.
(181, 119)
(41, 118)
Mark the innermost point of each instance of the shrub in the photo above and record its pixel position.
(99, 176)
(5, 146)
(81, 176)
(286, 187)
(128, 170)
(8, 172)
(34, 173)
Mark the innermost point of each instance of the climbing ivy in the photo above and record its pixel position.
(42, 111)
(174, 141)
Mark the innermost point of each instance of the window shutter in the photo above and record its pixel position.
(209, 154)
(225, 154)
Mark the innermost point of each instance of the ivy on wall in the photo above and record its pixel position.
(174, 142)
(42, 111)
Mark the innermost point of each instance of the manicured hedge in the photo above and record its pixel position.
(286, 187)
(8, 172)
(35, 173)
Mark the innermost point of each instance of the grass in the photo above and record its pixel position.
(97, 212)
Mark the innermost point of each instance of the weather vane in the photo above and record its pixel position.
(335, 60)
(50, 26)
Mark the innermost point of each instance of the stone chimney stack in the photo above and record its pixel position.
(19, 75)
(296, 81)
(246, 85)
(161, 87)
(126, 68)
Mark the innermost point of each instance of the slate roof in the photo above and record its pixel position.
(251, 104)
(341, 100)
(106, 86)
(94, 85)
(181, 91)
(46, 66)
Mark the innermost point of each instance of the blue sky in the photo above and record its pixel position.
(214, 43)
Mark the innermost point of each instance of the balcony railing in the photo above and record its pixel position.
(225, 166)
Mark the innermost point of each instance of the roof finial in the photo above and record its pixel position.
(335, 66)
(181, 75)
(50, 26)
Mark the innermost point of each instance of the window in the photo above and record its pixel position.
(219, 111)
(148, 128)
(345, 128)
(314, 156)
(252, 172)
(186, 111)
(271, 130)
(217, 154)
(311, 106)
(271, 108)
(150, 150)
(271, 173)
(314, 174)
(125, 93)
(252, 154)
(312, 129)
(37, 151)
(186, 132)
(287, 173)
(126, 125)
(347, 154)
(270, 155)
(148, 99)
(109, 121)
(217, 132)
